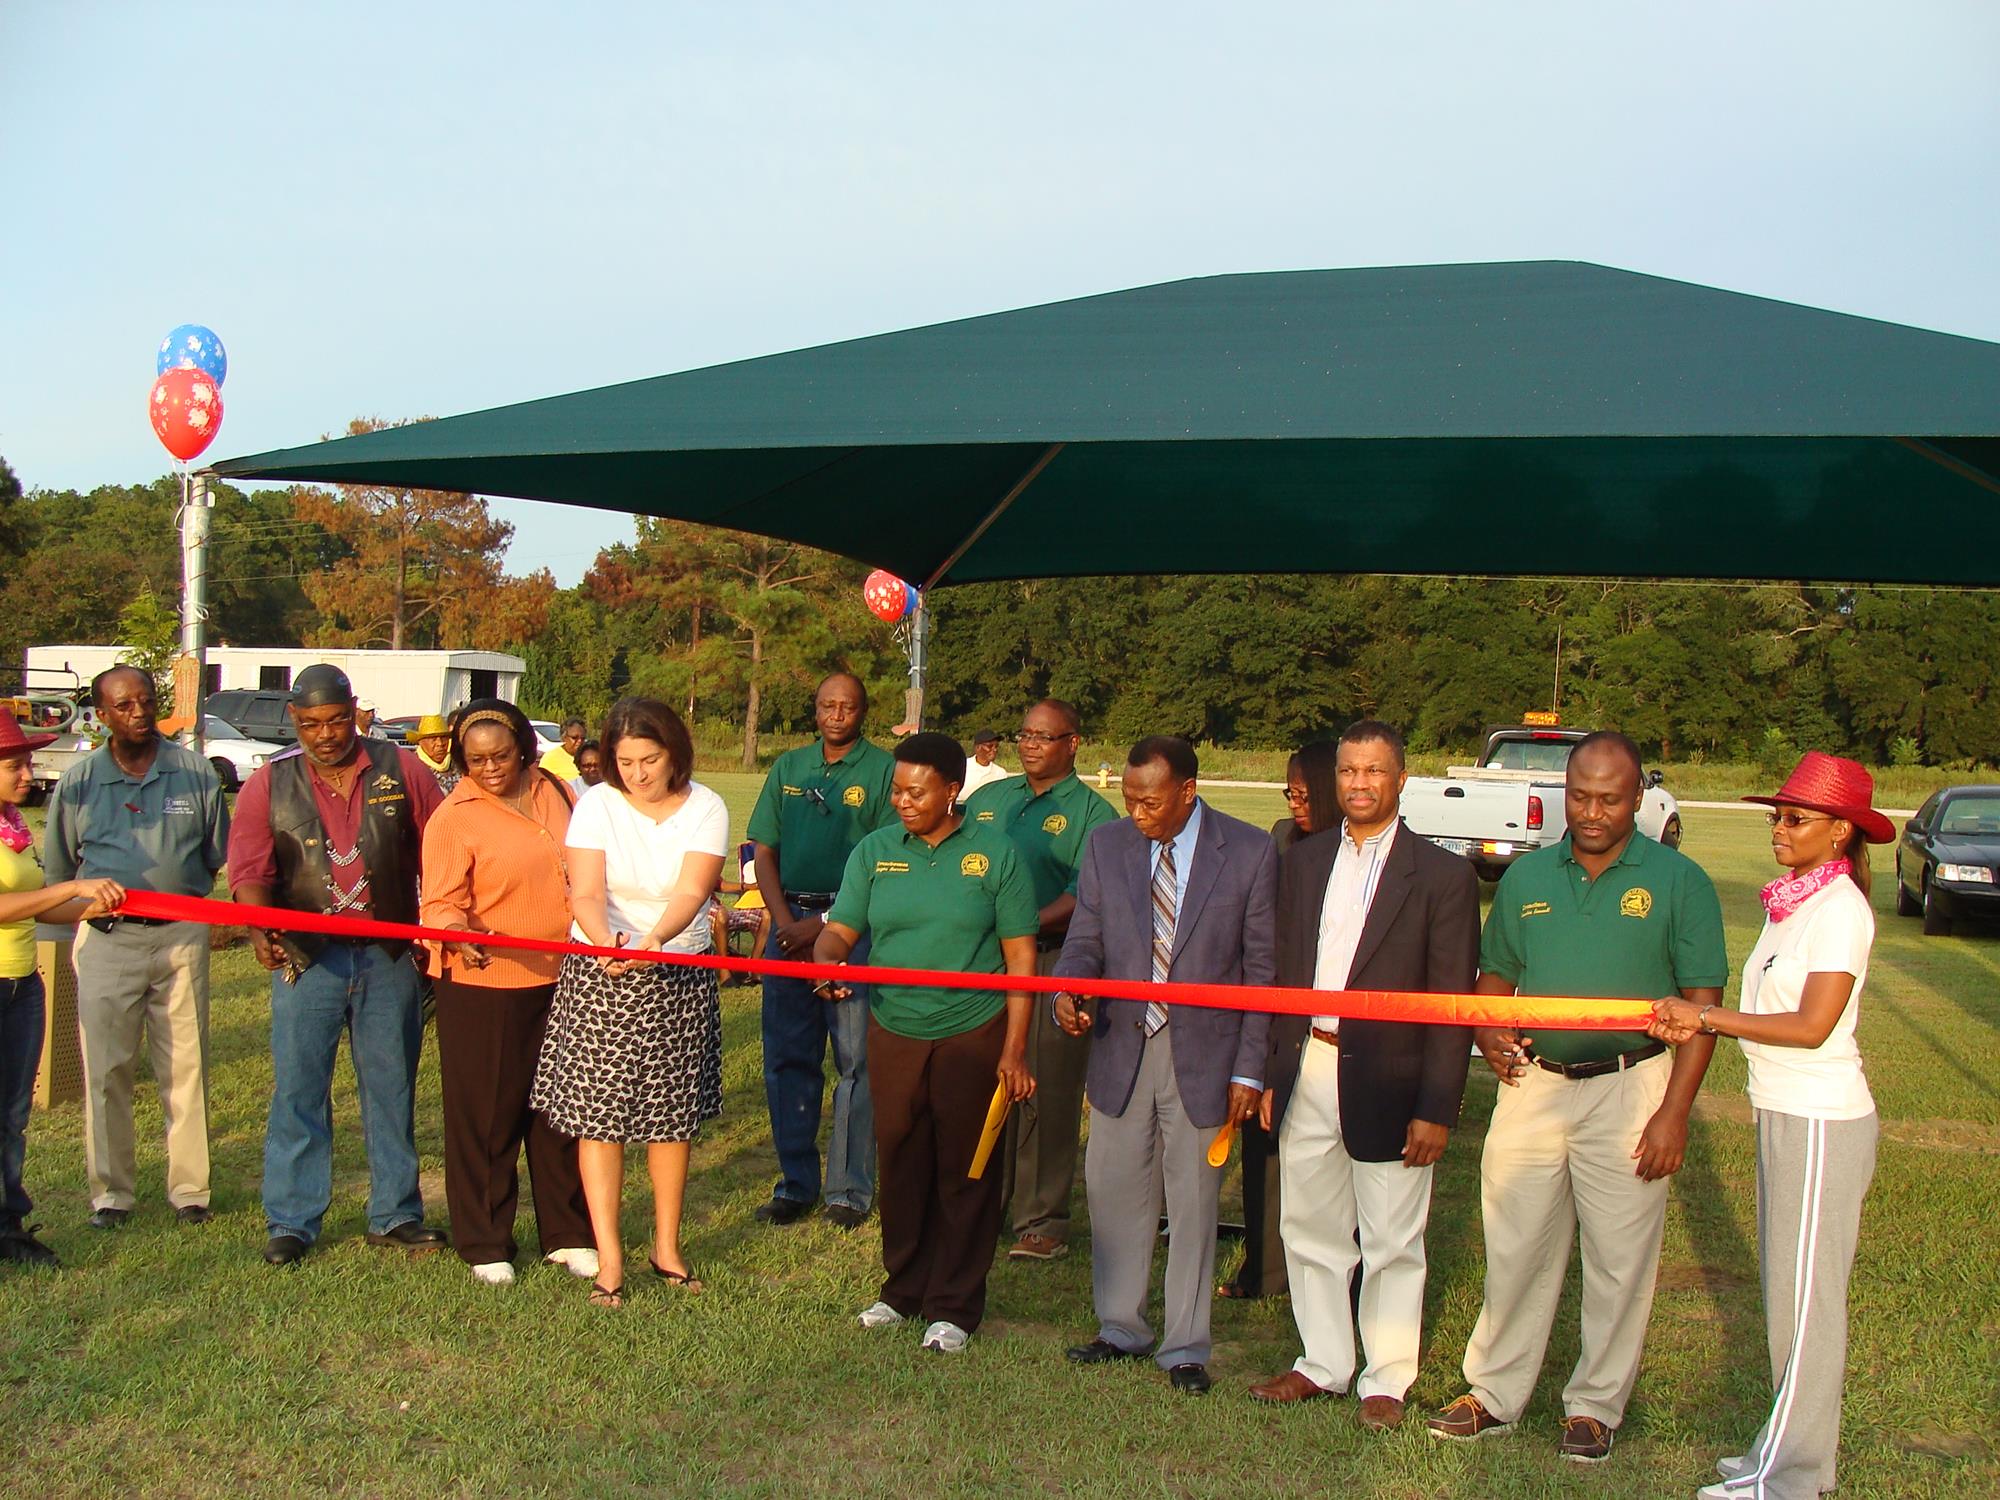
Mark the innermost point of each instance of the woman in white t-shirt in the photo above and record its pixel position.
(1816, 1125)
(634, 1050)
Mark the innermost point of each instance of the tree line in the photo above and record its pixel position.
(735, 629)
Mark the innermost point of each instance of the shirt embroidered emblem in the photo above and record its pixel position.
(1534, 908)
(854, 796)
(973, 864)
(1637, 902)
(1054, 823)
(891, 867)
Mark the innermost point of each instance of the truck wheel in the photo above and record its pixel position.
(226, 772)
(1671, 834)
(1937, 912)
(1906, 904)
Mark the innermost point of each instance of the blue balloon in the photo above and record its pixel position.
(193, 347)
(911, 595)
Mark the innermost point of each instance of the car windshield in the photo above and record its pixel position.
(220, 729)
(1971, 816)
(1530, 755)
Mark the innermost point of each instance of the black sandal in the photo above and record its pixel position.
(684, 1279)
(601, 1295)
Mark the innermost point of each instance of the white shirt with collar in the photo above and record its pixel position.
(1350, 891)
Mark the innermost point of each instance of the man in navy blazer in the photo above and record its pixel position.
(1174, 891)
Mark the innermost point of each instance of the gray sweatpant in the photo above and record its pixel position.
(1811, 1178)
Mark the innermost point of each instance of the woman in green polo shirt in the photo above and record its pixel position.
(936, 893)
(24, 900)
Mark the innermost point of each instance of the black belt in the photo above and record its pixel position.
(111, 924)
(812, 900)
(1603, 1065)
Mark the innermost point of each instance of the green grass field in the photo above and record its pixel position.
(172, 1361)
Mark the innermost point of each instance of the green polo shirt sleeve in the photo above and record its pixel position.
(1095, 812)
(1701, 955)
(857, 884)
(1500, 942)
(764, 826)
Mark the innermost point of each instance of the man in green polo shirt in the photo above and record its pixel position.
(1589, 1125)
(150, 815)
(1047, 813)
(819, 801)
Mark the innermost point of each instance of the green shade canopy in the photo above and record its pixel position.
(1536, 418)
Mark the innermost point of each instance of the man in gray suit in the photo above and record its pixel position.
(1174, 891)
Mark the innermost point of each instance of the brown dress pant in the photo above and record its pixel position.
(488, 1042)
(939, 1227)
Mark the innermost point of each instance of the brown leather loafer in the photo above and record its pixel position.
(1380, 1412)
(1585, 1440)
(1288, 1387)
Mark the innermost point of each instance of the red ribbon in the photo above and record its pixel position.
(1526, 1011)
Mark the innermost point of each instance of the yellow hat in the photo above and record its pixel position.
(429, 725)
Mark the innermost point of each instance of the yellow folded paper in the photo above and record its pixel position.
(996, 1117)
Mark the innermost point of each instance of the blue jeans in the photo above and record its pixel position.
(375, 999)
(22, 1016)
(797, 1026)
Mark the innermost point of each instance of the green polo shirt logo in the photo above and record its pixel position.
(985, 816)
(854, 796)
(974, 865)
(1054, 824)
(1636, 902)
(1535, 908)
(891, 867)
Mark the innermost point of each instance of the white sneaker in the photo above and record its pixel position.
(495, 1273)
(946, 1338)
(1733, 1467)
(578, 1260)
(881, 1315)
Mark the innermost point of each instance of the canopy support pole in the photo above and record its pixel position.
(1034, 472)
(1945, 461)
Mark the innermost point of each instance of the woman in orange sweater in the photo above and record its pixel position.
(493, 862)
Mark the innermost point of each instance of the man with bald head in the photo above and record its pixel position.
(819, 801)
(150, 815)
(1589, 1124)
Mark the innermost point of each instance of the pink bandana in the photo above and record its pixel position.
(14, 829)
(1788, 893)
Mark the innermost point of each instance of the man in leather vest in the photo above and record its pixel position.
(336, 826)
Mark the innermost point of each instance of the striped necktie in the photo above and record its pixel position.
(1164, 902)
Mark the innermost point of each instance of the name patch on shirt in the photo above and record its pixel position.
(795, 791)
(891, 867)
(1637, 902)
(973, 864)
(1534, 908)
(1054, 823)
(177, 806)
(985, 816)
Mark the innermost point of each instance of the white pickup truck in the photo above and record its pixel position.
(1512, 801)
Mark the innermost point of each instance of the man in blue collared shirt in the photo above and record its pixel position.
(1176, 891)
(150, 815)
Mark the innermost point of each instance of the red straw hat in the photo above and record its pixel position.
(1826, 783)
(12, 740)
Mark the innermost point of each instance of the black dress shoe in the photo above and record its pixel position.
(842, 1216)
(1101, 1352)
(285, 1250)
(1190, 1380)
(411, 1234)
(193, 1213)
(110, 1218)
(783, 1211)
(20, 1245)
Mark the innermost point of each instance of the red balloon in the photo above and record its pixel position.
(186, 409)
(886, 595)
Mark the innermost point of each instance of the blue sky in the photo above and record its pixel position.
(430, 208)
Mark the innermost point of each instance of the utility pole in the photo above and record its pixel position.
(913, 699)
(191, 670)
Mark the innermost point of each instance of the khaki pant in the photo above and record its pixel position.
(1040, 1147)
(1558, 1159)
(131, 982)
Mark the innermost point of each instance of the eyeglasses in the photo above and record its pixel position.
(1794, 819)
(1297, 798)
(1036, 737)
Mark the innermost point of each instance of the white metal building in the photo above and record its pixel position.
(398, 682)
